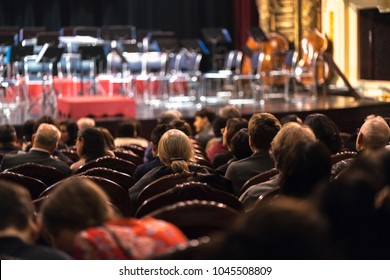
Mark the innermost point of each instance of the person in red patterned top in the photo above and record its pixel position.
(79, 220)
(126, 239)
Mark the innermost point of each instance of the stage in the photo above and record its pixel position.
(347, 112)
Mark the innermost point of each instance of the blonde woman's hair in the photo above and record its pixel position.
(176, 150)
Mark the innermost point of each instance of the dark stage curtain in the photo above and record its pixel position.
(185, 17)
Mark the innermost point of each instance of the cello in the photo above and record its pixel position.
(274, 50)
(312, 65)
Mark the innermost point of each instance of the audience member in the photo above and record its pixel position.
(155, 137)
(44, 143)
(85, 122)
(204, 119)
(8, 139)
(215, 145)
(91, 230)
(69, 131)
(90, 145)
(108, 139)
(287, 229)
(233, 125)
(239, 146)
(348, 204)
(27, 132)
(374, 134)
(290, 118)
(19, 228)
(262, 129)
(128, 134)
(183, 126)
(229, 111)
(175, 151)
(285, 155)
(165, 118)
(168, 116)
(325, 130)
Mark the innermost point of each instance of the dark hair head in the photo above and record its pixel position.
(94, 145)
(28, 130)
(16, 207)
(182, 125)
(45, 119)
(232, 126)
(239, 145)
(129, 128)
(262, 129)
(325, 130)
(218, 124)
(7, 134)
(206, 113)
(77, 203)
(285, 229)
(158, 131)
(72, 129)
(290, 118)
(168, 116)
(305, 167)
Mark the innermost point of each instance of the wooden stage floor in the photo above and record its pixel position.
(346, 112)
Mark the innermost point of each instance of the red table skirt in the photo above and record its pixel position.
(96, 106)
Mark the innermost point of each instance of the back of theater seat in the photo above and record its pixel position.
(47, 174)
(115, 163)
(34, 186)
(188, 191)
(198, 218)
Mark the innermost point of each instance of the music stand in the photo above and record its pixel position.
(96, 54)
(118, 32)
(6, 39)
(18, 53)
(258, 34)
(47, 37)
(215, 36)
(194, 45)
(48, 54)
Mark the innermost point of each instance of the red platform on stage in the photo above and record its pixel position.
(97, 106)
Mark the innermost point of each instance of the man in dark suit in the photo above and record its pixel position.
(44, 143)
(262, 129)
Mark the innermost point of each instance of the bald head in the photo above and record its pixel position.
(46, 137)
(374, 134)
